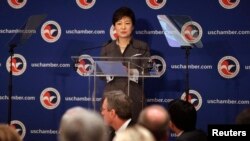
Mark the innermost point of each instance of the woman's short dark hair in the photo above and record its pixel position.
(123, 12)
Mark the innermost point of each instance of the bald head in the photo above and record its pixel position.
(156, 119)
(156, 114)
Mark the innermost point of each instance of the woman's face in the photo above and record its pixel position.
(124, 27)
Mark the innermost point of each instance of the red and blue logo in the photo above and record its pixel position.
(228, 67)
(19, 127)
(191, 31)
(156, 4)
(194, 98)
(17, 4)
(51, 31)
(113, 33)
(85, 4)
(229, 4)
(50, 98)
(18, 64)
(85, 65)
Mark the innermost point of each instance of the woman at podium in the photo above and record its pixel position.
(127, 49)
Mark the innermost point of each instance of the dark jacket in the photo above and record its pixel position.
(135, 90)
(196, 135)
(112, 131)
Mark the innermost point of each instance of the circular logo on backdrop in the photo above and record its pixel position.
(194, 98)
(113, 33)
(157, 65)
(85, 65)
(18, 65)
(156, 4)
(85, 4)
(50, 98)
(19, 127)
(191, 31)
(51, 31)
(17, 4)
(229, 4)
(228, 67)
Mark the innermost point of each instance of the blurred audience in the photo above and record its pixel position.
(135, 133)
(156, 119)
(116, 109)
(79, 124)
(7, 133)
(183, 121)
(243, 117)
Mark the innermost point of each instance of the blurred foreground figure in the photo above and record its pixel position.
(183, 121)
(8, 133)
(156, 119)
(79, 124)
(134, 133)
(243, 117)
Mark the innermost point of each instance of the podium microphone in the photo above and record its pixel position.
(108, 42)
(76, 60)
(99, 46)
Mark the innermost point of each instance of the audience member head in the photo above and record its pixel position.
(7, 133)
(243, 117)
(156, 119)
(123, 12)
(116, 105)
(183, 115)
(135, 133)
(79, 124)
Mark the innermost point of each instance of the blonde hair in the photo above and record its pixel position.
(135, 133)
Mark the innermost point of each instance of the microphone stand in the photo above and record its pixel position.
(187, 49)
(10, 87)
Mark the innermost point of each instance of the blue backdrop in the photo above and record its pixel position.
(45, 82)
